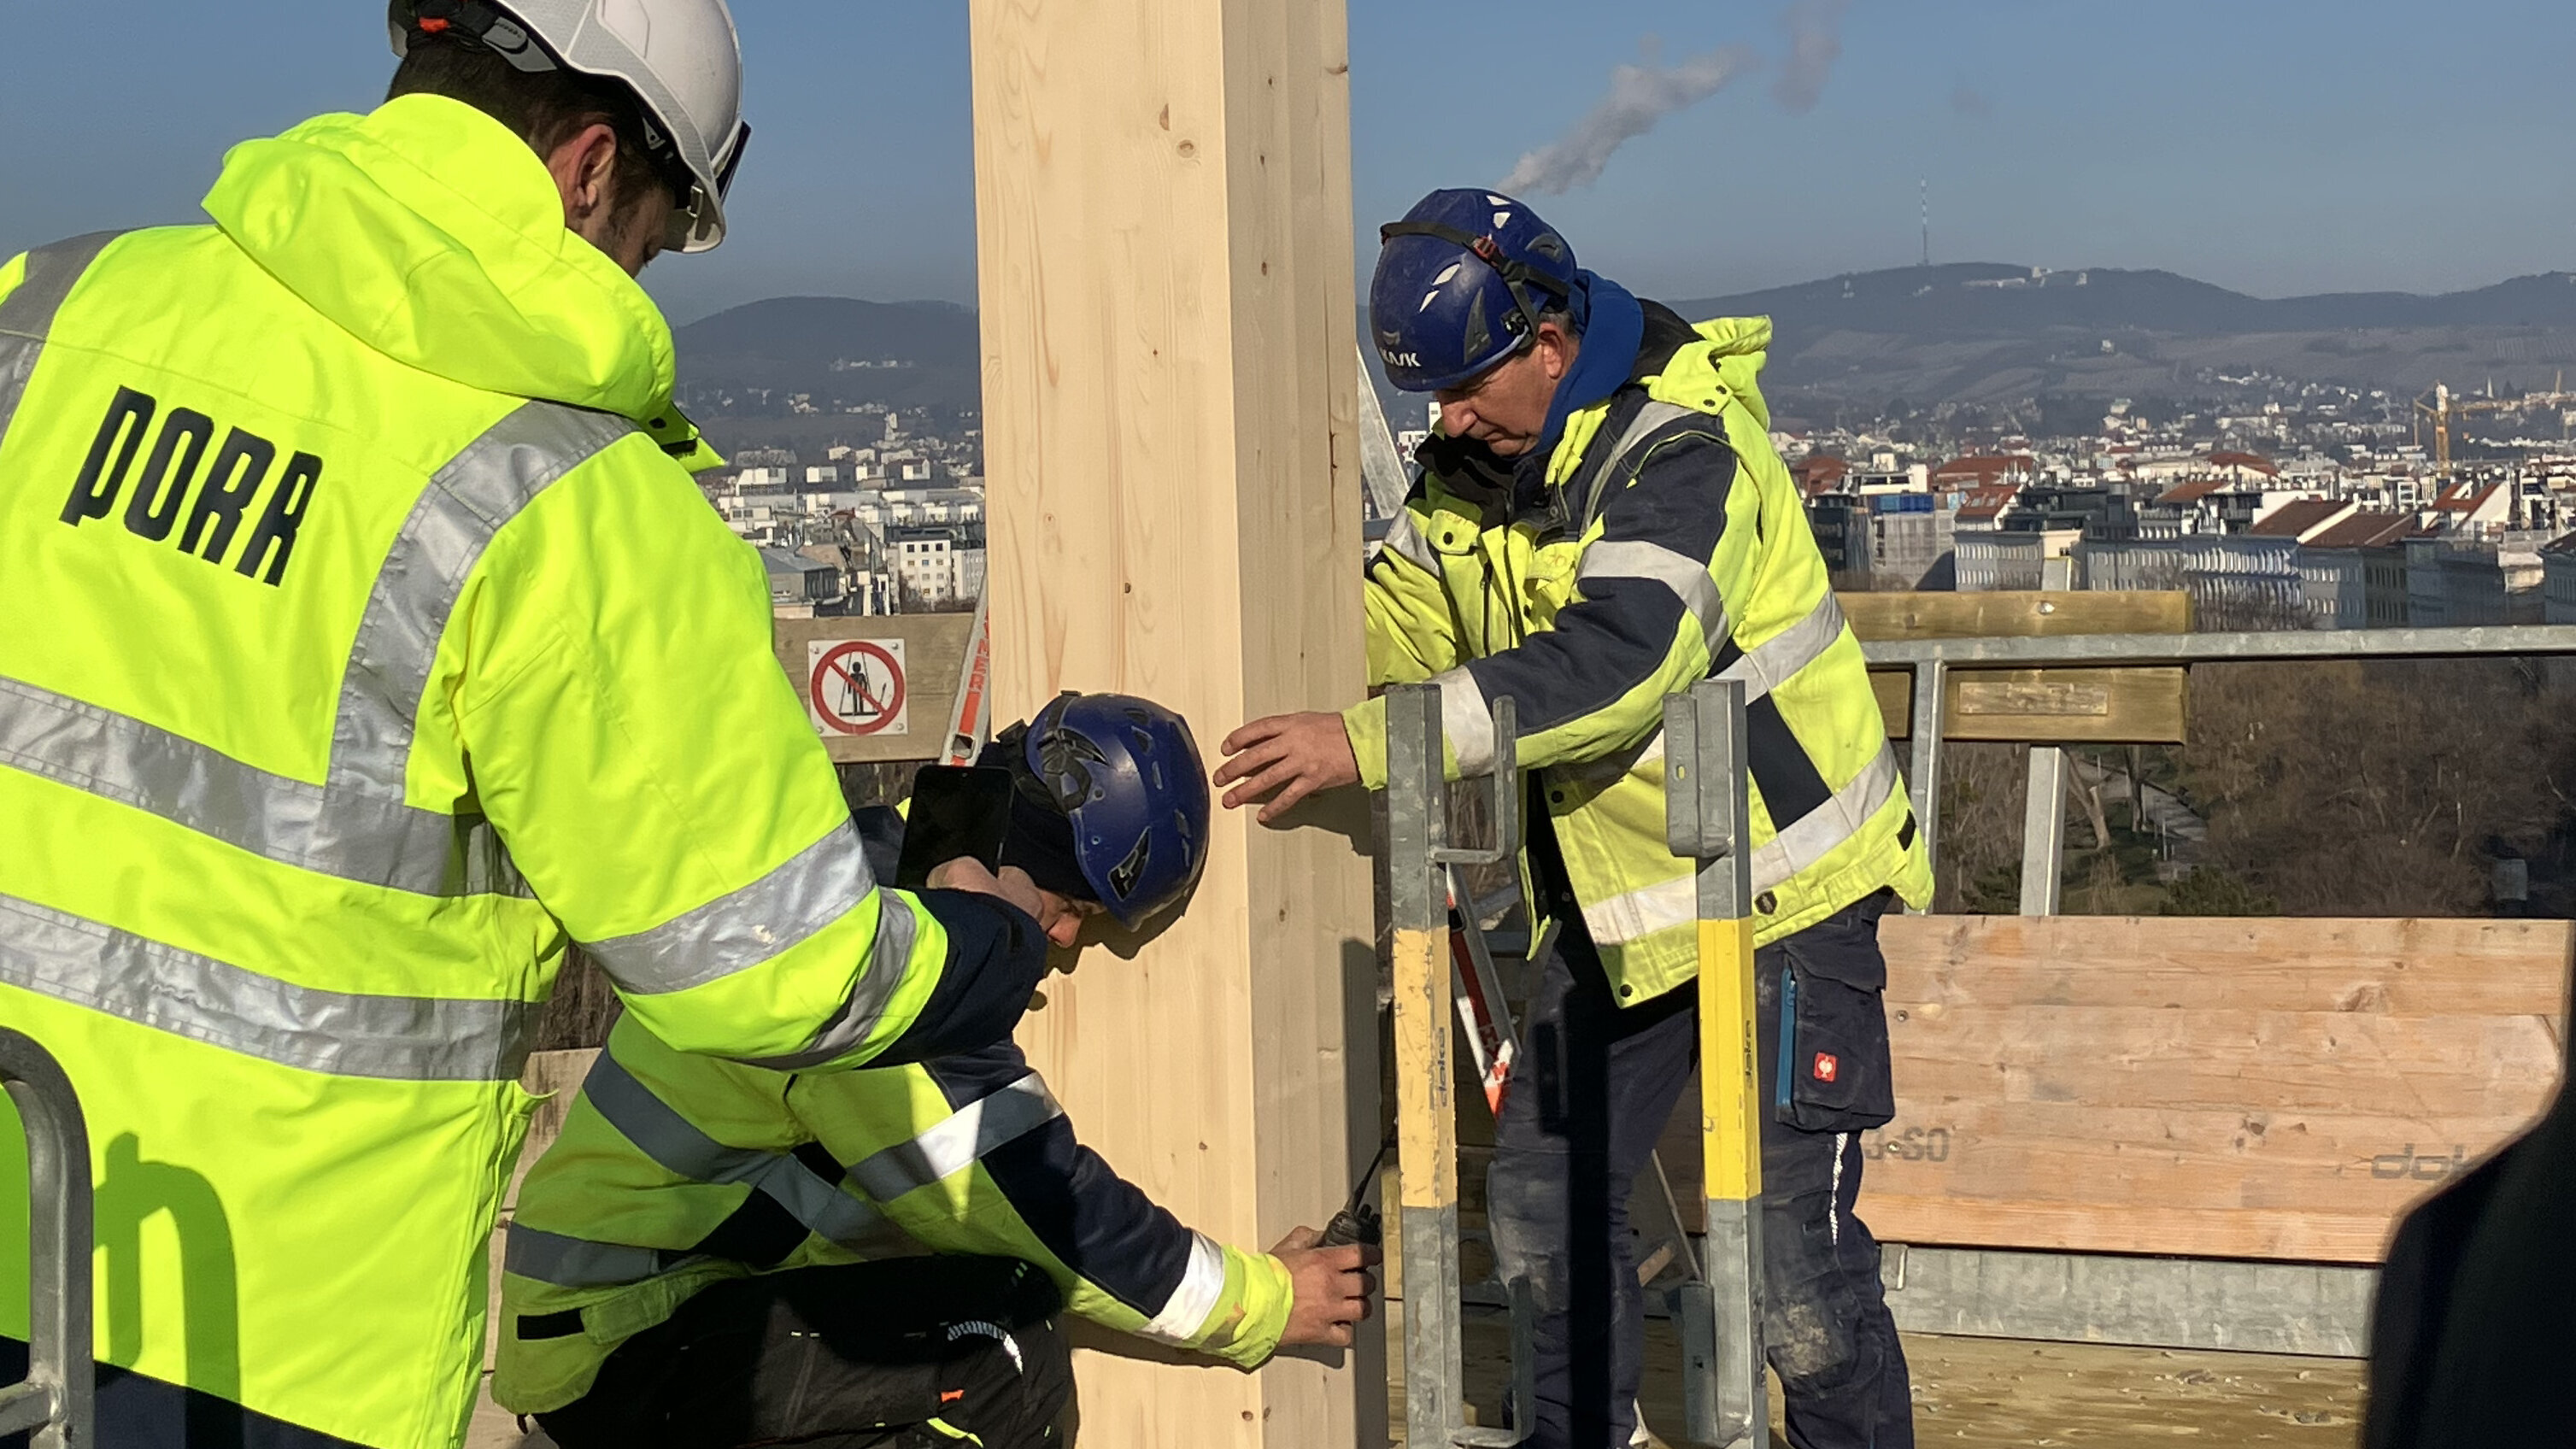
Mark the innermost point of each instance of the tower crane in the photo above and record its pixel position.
(2445, 406)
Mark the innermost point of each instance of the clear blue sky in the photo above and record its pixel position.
(2276, 146)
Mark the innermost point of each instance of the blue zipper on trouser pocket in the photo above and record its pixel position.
(1788, 1038)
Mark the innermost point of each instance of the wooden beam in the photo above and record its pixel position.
(2032, 706)
(1170, 395)
(2046, 706)
(2014, 614)
(2226, 1088)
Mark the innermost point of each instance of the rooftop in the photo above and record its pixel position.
(2301, 517)
(2191, 492)
(2368, 528)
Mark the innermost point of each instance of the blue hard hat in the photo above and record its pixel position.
(1127, 774)
(1460, 284)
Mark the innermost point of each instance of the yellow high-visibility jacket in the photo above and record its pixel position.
(366, 639)
(1662, 542)
(676, 1172)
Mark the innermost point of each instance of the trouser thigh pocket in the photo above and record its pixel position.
(1832, 1074)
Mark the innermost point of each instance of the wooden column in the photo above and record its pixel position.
(1170, 394)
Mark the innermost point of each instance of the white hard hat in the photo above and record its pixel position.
(681, 57)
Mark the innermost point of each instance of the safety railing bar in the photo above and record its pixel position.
(60, 1229)
(2152, 649)
(26, 1405)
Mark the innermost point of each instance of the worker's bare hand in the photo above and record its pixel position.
(1286, 758)
(1333, 1287)
(966, 873)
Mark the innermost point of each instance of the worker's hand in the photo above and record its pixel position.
(966, 873)
(1286, 757)
(1333, 1286)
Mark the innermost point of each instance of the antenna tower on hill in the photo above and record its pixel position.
(1927, 221)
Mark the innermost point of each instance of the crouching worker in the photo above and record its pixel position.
(718, 1254)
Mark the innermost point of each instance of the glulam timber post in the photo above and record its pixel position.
(1170, 403)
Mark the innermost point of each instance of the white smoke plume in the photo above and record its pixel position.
(1815, 43)
(1640, 96)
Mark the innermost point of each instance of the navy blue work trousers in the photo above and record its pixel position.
(1596, 1083)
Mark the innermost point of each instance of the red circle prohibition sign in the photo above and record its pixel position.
(841, 677)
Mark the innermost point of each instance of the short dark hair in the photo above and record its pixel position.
(544, 108)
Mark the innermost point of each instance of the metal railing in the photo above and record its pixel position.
(2043, 825)
(55, 1397)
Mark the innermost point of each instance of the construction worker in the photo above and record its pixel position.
(371, 640)
(714, 1255)
(1599, 521)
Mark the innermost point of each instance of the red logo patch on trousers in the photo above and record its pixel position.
(1826, 1067)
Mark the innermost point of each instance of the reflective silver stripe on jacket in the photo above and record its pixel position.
(1185, 1313)
(293, 822)
(737, 931)
(355, 825)
(403, 1038)
(659, 1131)
(1688, 578)
(467, 503)
(1813, 836)
(27, 313)
(578, 1262)
(957, 1141)
(1404, 539)
(1763, 668)
(1467, 720)
(1808, 839)
(860, 1011)
(1776, 660)
(1620, 470)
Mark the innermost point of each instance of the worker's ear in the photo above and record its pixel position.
(1556, 348)
(583, 166)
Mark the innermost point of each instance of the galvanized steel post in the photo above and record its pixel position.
(1707, 818)
(1426, 1108)
(2043, 831)
(1931, 715)
(55, 1397)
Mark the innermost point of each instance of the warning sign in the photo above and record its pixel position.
(856, 686)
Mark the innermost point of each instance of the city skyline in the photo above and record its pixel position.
(2276, 150)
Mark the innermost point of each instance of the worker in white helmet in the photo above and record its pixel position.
(387, 646)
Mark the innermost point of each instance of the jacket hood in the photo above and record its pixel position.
(1742, 346)
(433, 234)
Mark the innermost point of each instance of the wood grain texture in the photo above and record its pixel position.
(2235, 1088)
(1170, 396)
(1889, 616)
(934, 653)
(2032, 706)
(2047, 706)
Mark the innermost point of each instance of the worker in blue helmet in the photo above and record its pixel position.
(714, 1254)
(1599, 522)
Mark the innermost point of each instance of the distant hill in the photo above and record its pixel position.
(749, 361)
(1968, 332)
(1987, 332)
(1988, 299)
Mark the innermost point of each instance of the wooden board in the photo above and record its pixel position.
(2046, 706)
(2032, 706)
(1170, 403)
(934, 657)
(1877, 617)
(2233, 1088)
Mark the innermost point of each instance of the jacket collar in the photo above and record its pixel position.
(434, 235)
